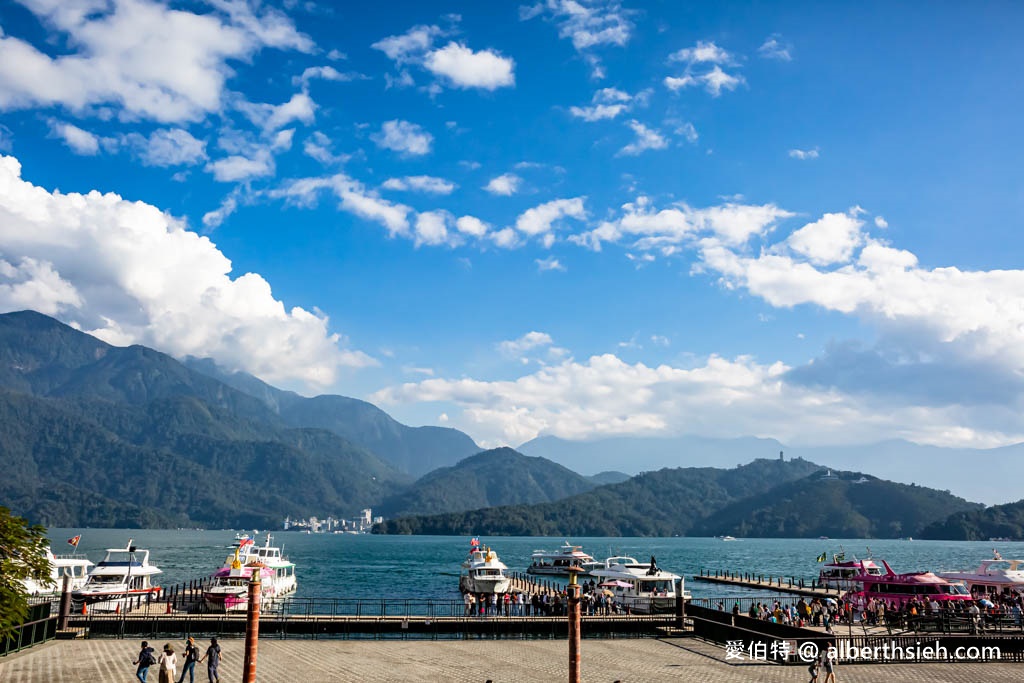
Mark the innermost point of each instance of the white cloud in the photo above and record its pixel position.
(607, 103)
(507, 184)
(214, 219)
(804, 154)
(773, 49)
(531, 340)
(471, 225)
(589, 25)
(654, 229)
(167, 147)
(271, 117)
(598, 112)
(464, 68)
(403, 137)
(128, 273)
(831, 239)
(702, 52)
(881, 222)
(550, 263)
(688, 131)
(506, 238)
(318, 146)
(326, 73)
(646, 138)
(152, 61)
(432, 229)
(715, 80)
(354, 198)
(409, 46)
(80, 141)
(660, 340)
(236, 168)
(540, 219)
(420, 183)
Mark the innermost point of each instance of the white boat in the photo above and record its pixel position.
(561, 562)
(728, 538)
(641, 588)
(838, 574)
(230, 588)
(122, 576)
(75, 566)
(483, 572)
(993, 577)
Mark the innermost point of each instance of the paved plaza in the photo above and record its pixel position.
(469, 661)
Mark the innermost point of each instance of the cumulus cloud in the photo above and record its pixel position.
(318, 146)
(130, 273)
(831, 239)
(272, 117)
(432, 229)
(607, 103)
(326, 73)
(167, 147)
(804, 154)
(550, 263)
(646, 138)
(420, 183)
(541, 219)
(78, 140)
(403, 137)
(237, 168)
(881, 222)
(471, 225)
(454, 65)
(506, 185)
(464, 68)
(696, 59)
(118, 55)
(353, 198)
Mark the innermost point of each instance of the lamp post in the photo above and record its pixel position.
(252, 627)
(574, 626)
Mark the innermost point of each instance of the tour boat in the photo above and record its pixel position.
(562, 562)
(728, 538)
(75, 566)
(838, 574)
(229, 590)
(902, 588)
(993, 577)
(123, 575)
(641, 588)
(483, 572)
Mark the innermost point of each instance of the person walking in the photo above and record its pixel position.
(830, 666)
(188, 661)
(213, 655)
(168, 664)
(813, 669)
(145, 660)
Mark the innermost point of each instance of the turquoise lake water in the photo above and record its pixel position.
(367, 566)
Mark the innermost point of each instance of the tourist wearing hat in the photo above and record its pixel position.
(188, 661)
(168, 664)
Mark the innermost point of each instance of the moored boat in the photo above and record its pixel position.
(994, 577)
(640, 588)
(483, 572)
(229, 590)
(76, 566)
(839, 573)
(899, 589)
(123, 575)
(562, 562)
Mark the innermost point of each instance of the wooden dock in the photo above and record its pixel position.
(777, 584)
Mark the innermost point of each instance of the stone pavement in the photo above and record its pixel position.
(467, 661)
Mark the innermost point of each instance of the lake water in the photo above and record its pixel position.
(367, 566)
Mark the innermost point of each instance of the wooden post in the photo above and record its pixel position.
(574, 629)
(252, 628)
(65, 604)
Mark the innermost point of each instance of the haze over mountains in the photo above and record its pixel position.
(92, 434)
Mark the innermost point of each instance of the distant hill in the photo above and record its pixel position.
(952, 469)
(488, 479)
(414, 450)
(92, 434)
(663, 503)
(998, 521)
(602, 478)
(840, 505)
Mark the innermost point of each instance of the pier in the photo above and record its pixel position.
(778, 584)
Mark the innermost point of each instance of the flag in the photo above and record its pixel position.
(74, 541)
(821, 558)
(474, 543)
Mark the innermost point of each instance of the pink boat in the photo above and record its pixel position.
(229, 591)
(900, 589)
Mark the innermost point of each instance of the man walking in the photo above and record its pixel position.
(213, 655)
(145, 660)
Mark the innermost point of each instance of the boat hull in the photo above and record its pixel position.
(470, 585)
(113, 600)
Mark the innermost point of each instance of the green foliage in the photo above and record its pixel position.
(492, 478)
(998, 521)
(22, 556)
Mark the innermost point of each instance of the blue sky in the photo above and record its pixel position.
(788, 220)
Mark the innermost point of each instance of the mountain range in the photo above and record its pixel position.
(93, 434)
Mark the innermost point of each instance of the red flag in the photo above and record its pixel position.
(74, 541)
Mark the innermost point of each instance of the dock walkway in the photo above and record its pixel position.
(777, 584)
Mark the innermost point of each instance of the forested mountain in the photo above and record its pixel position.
(998, 521)
(663, 503)
(415, 450)
(837, 505)
(488, 479)
(107, 436)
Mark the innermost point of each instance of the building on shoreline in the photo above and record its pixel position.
(332, 525)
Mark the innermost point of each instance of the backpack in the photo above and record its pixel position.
(147, 658)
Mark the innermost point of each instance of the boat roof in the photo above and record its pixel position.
(627, 567)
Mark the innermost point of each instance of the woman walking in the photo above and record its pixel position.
(168, 662)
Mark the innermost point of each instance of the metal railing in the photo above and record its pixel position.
(38, 628)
